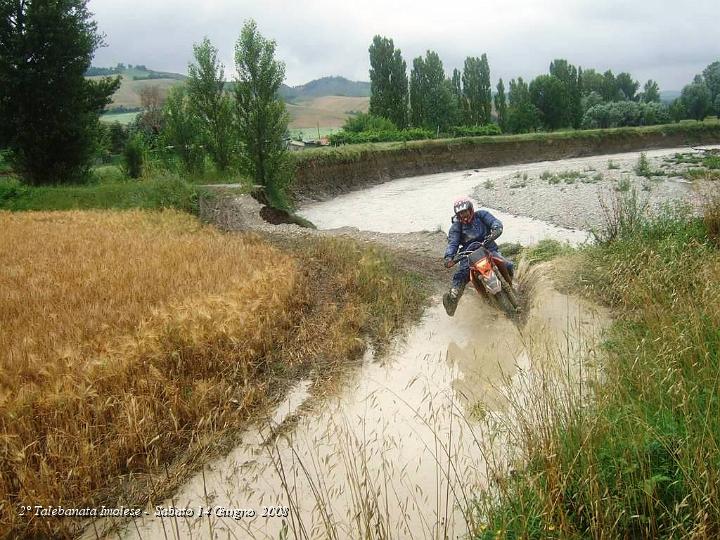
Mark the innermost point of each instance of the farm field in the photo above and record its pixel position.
(326, 111)
(122, 118)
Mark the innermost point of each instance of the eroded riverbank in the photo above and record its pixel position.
(550, 199)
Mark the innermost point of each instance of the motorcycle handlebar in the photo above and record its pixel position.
(456, 259)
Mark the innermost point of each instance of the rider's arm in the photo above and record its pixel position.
(493, 223)
(453, 240)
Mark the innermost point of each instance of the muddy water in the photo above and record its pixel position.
(424, 203)
(399, 451)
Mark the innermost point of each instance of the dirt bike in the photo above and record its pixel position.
(490, 277)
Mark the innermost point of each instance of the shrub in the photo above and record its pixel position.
(623, 184)
(373, 136)
(622, 215)
(642, 168)
(476, 131)
(711, 162)
(133, 156)
(368, 122)
(625, 113)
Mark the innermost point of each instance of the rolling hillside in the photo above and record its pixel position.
(324, 102)
(326, 86)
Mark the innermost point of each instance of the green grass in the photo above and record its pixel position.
(546, 250)
(642, 458)
(309, 133)
(594, 179)
(711, 162)
(623, 184)
(569, 177)
(686, 158)
(163, 192)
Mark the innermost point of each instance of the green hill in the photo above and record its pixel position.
(326, 86)
(324, 102)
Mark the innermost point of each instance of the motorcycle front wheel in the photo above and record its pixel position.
(505, 304)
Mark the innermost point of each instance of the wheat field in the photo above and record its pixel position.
(128, 340)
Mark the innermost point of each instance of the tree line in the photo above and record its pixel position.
(49, 110)
(565, 97)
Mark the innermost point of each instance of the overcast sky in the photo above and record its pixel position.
(669, 41)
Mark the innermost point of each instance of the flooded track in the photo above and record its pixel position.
(402, 447)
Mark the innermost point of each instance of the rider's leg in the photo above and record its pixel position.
(508, 264)
(460, 279)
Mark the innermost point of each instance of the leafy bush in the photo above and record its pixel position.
(625, 113)
(372, 136)
(476, 131)
(642, 168)
(711, 162)
(368, 122)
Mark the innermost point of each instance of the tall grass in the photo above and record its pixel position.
(167, 191)
(642, 458)
(131, 340)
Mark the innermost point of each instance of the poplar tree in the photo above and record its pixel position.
(651, 92)
(501, 105)
(485, 90)
(49, 111)
(210, 103)
(549, 96)
(388, 82)
(472, 93)
(476, 90)
(182, 129)
(627, 86)
(523, 116)
(431, 95)
(261, 116)
(570, 77)
(432, 104)
(456, 84)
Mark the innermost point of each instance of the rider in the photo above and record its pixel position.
(469, 226)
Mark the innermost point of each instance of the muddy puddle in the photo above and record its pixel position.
(402, 447)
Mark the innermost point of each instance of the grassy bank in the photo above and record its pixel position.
(356, 152)
(108, 187)
(134, 341)
(642, 459)
(325, 173)
(167, 192)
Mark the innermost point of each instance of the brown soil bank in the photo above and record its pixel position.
(326, 173)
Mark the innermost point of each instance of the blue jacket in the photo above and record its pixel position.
(460, 234)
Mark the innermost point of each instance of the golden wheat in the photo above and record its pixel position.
(128, 337)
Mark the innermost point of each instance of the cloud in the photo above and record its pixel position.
(664, 40)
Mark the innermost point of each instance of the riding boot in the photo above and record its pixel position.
(451, 298)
